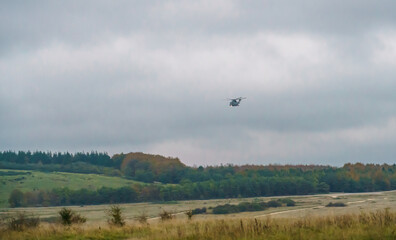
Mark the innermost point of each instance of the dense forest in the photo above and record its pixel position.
(168, 179)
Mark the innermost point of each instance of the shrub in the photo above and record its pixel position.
(115, 216)
(336, 204)
(274, 203)
(225, 209)
(287, 201)
(142, 218)
(69, 217)
(199, 211)
(20, 221)
(189, 214)
(165, 215)
(246, 207)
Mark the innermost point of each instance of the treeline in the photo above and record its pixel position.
(193, 182)
(243, 187)
(39, 157)
(65, 196)
(227, 188)
(138, 166)
(154, 168)
(77, 167)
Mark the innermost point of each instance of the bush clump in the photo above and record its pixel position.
(251, 206)
(21, 221)
(142, 218)
(199, 211)
(274, 203)
(225, 209)
(189, 214)
(69, 217)
(165, 215)
(336, 204)
(288, 202)
(115, 216)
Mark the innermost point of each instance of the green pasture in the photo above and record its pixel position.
(26, 180)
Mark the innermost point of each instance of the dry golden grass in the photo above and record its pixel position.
(366, 225)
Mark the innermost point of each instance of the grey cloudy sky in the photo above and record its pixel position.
(152, 76)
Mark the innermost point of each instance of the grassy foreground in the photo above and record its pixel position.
(374, 225)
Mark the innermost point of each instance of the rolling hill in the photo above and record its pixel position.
(35, 180)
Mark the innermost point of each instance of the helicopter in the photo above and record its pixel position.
(235, 101)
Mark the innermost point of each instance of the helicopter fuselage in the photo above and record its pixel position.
(235, 103)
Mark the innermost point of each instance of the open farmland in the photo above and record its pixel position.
(35, 180)
(365, 216)
(309, 205)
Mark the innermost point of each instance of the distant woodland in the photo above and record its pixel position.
(167, 179)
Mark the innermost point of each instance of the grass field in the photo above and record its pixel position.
(32, 180)
(365, 225)
(365, 216)
(309, 205)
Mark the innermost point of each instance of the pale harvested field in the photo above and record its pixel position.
(309, 205)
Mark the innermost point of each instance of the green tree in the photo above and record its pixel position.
(322, 187)
(16, 198)
(115, 217)
(144, 176)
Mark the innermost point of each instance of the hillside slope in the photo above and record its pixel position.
(35, 180)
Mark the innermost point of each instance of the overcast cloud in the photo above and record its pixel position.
(152, 76)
